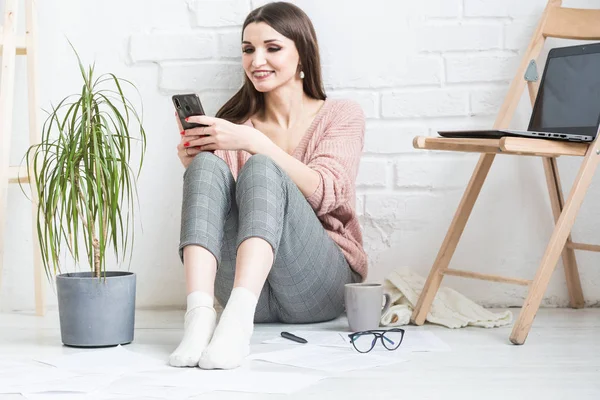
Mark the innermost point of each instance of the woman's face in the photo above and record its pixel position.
(269, 58)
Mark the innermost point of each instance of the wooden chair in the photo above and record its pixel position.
(558, 22)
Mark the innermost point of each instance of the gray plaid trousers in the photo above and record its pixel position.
(306, 282)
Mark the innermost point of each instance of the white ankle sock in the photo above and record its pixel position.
(199, 324)
(231, 341)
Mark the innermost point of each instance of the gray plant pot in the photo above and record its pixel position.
(96, 312)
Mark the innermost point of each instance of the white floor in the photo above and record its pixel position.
(560, 360)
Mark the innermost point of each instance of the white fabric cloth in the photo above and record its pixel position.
(449, 308)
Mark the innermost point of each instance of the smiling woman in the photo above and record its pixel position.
(279, 39)
(269, 225)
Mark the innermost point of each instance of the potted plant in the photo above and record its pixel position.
(86, 188)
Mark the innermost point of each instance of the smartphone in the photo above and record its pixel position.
(188, 105)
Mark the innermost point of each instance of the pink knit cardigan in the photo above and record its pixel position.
(332, 146)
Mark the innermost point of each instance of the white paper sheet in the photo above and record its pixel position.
(325, 358)
(54, 396)
(415, 341)
(115, 360)
(172, 384)
(131, 388)
(152, 384)
(79, 384)
(315, 338)
(12, 381)
(59, 396)
(260, 382)
(237, 380)
(81, 396)
(120, 397)
(10, 363)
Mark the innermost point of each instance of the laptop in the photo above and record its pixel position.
(567, 106)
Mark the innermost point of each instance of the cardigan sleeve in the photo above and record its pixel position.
(336, 159)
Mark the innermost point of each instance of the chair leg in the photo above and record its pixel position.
(455, 231)
(576, 299)
(556, 245)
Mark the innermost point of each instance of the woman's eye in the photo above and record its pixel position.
(270, 49)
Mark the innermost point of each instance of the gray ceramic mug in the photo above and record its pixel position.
(363, 305)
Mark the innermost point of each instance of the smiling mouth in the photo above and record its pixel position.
(262, 74)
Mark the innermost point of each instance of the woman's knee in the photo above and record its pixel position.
(208, 165)
(260, 165)
(259, 159)
(261, 172)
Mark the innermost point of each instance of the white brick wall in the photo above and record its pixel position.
(504, 8)
(426, 103)
(485, 68)
(217, 13)
(460, 36)
(415, 66)
(165, 46)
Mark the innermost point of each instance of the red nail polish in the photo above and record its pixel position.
(182, 133)
(186, 119)
(186, 144)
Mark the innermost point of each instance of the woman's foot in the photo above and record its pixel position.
(199, 324)
(230, 343)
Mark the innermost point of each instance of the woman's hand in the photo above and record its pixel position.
(185, 153)
(220, 134)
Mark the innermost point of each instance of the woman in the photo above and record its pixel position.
(268, 217)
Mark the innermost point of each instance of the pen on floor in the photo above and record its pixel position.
(293, 337)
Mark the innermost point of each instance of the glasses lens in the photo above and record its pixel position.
(364, 343)
(392, 339)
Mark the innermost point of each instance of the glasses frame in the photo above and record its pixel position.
(379, 334)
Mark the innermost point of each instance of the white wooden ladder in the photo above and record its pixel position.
(12, 45)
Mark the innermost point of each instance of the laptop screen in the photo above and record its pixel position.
(569, 98)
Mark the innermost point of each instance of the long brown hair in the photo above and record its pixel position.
(294, 24)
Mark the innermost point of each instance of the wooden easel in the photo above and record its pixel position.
(12, 45)
(558, 22)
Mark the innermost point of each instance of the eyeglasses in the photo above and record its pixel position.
(364, 341)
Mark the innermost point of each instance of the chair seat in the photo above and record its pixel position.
(505, 145)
